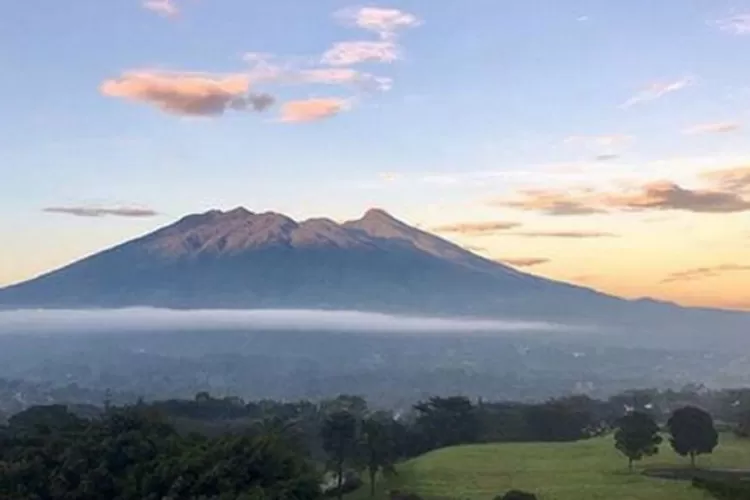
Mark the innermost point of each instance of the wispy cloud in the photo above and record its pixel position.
(191, 94)
(349, 53)
(343, 76)
(476, 228)
(552, 202)
(309, 110)
(722, 197)
(735, 180)
(656, 91)
(738, 24)
(166, 8)
(93, 212)
(712, 128)
(565, 234)
(265, 69)
(385, 22)
(525, 262)
(700, 273)
(611, 140)
(666, 195)
(607, 157)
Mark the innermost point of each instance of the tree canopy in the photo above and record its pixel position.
(637, 436)
(692, 432)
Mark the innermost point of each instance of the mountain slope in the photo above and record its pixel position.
(242, 259)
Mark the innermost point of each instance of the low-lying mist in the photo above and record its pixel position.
(149, 319)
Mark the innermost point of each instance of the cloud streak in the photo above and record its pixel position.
(310, 110)
(712, 128)
(525, 262)
(700, 273)
(188, 94)
(558, 203)
(565, 234)
(665, 195)
(147, 319)
(97, 212)
(476, 228)
(341, 76)
(612, 140)
(357, 52)
(723, 196)
(657, 91)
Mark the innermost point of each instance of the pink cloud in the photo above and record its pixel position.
(385, 22)
(309, 110)
(713, 128)
(657, 90)
(344, 76)
(348, 53)
(191, 94)
(165, 8)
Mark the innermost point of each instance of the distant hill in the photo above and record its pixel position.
(241, 259)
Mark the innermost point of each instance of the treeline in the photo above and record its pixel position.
(226, 448)
(135, 454)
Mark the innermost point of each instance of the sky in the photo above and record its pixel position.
(601, 143)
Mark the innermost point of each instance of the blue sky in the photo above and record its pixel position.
(468, 102)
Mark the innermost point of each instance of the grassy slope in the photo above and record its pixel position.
(585, 470)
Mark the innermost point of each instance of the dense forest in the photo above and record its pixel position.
(226, 448)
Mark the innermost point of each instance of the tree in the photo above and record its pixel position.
(559, 420)
(637, 436)
(339, 435)
(693, 432)
(447, 421)
(378, 447)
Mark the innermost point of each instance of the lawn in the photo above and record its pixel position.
(586, 470)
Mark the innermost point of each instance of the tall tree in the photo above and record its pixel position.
(637, 436)
(693, 432)
(339, 434)
(378, 447)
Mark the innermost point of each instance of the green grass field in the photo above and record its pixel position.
(586, 470)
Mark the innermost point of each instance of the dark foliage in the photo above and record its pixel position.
(692, 432)
(340, 433)
(724, 490)
(443, 422)
(134, 454)
(637, 436)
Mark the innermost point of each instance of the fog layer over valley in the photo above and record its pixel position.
(50, 321)
(88, 356)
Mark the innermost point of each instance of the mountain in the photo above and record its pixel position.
(240, 259)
